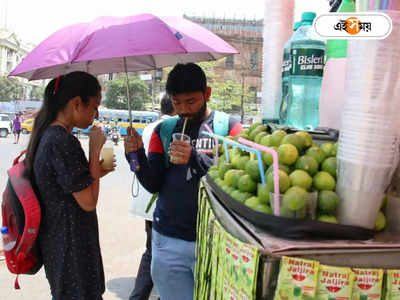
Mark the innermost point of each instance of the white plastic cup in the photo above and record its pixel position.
(179, 137)
(107, 153)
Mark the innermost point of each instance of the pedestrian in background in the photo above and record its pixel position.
(17, 123)
(144, 283)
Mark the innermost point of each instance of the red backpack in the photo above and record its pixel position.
(21, 214)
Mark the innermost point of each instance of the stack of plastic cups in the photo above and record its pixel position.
(369, 137)
(278, 27)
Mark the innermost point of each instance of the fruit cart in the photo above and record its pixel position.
(382, 252)
(226, 226)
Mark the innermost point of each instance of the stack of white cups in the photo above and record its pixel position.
(369, 137)
(278, 20)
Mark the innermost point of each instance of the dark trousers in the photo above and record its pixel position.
(144, 283)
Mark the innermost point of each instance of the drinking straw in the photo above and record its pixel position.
(384, 4)
(377, 4)
(275, 168)
(184, 127)
(371, 5)
(227, 142)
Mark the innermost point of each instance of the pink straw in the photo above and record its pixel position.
(275, 168)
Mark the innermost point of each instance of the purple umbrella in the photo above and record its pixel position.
(128, 44)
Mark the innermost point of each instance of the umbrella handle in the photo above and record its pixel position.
(133, 161)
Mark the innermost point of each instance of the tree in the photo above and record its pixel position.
(116, 97)
(37, 93)
(10, 89)
(226, 96)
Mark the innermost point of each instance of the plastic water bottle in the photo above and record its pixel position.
(308, 57)
(286, 67)
(338, 48)
(9, 240)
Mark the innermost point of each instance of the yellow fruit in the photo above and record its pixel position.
(295, 140)
(246, 184)
(324, 181)
(307, 138)
(287, 154)
(295, 198)
(284, 182)
(300, 178)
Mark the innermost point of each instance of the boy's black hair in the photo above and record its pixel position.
(186, 78)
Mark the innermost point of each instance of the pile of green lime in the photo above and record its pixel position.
(304, 167)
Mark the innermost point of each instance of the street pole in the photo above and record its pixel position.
(153, 86)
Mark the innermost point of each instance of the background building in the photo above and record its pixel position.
(246, 67)
(12, 51)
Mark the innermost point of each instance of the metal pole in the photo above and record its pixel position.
(127, 93)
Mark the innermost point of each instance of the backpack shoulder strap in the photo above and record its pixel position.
(221, 123)
(167, 128)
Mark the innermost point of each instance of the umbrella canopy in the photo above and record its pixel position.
(127, 44)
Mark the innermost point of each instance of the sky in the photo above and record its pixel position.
(34, 20)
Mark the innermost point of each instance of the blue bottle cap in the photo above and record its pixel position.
(296, 25)
(4, 230)
(308, 17)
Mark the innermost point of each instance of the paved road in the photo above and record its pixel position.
(122, 238)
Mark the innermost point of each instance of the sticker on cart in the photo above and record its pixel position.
(297, 279)
(392, 285)
(334, 283)
(214, 262)
(249, 258)
(367, 284)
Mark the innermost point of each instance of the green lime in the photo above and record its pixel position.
(301, 178)
(241, 164)
(282, 167)
(295, 140)
(327, 202)
(284, 182)
(240, 196)
(259, 136)
(334, 149)
(223, 168)
(257, 130)
(252, 202)
(266, 140)
(267, 157)
(277, 137)
(287, 154)
(328, 219)
(327, 148)
(324, 181)
(308, 164)
(295, 198)
(264, 208)
(213, 174)
(329, 165)
(263, 193)
(307, 138)
(316, 153)
(253, 170)
(380, 222)
(246, 184)
(253, 126)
